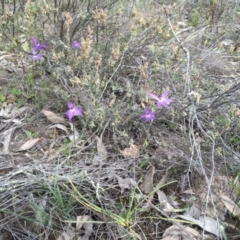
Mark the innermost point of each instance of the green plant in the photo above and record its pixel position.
(16, 92)
(30, 134)
(62, 203)
(234, 139)
(2, 98)
(106, 57)
(195, 18)
(129, 215)
(30, 79)
(125, 219)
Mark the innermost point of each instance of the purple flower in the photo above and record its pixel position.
(73, 111)
(162, 100)
(36, 45)
(148, 116)
(35, 56)
(76, 44)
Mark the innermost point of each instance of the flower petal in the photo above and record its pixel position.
(168, 101)
(153, 96)
(159, 104)
(148, 116)
(164, 94)
(76, 44)
(70, 105)
(70, 114)
(34, 52)
(147, 111)
(34, 41)
(77, 111)
(164, 104)
(35, 56)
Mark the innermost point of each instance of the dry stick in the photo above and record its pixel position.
(197, 147)
(100, 168)
(209, 181)
(188, 80)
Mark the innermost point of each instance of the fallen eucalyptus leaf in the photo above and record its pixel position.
(51, 116)
(147, 185)
(102, 151)
(163, 180)
(207, 223)
(126, 183)
(194, 212)
(29, 144)
(131, 152)
(67, 234)
(7, 139)
(59, 126)
(85, 221)
(230, 205)
(180, 232)
(11, 111)
(163, 200)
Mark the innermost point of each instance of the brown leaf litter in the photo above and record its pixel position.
(52, 117)
(29, 144)
(147, 185)
(132, 152)
(101, 149)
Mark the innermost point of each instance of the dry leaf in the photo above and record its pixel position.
(230, 205)
(147, 185)
(80, 221)
(7, 139)
(67, 234)
(29, 144)
(102, 152)
(180, 232)
(126, 183)
(163, 200)
(194, 212)
(131, 152)
(12, 111)
(85, 221)
(207, 223)
(163, 180)
(53, 117)
(60, 126)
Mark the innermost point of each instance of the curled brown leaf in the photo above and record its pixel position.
(54, 118)
(131, 152)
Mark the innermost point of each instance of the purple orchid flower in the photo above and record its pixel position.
(73, 111)
(76, 44)
(162, 100)
(36, 45)
(148, 116)
(35, 56)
